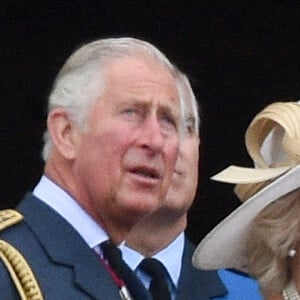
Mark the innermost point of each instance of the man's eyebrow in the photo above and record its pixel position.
(132, 102)
(147, 104)
(171, 110)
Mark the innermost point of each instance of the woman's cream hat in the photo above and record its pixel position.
(273, 142)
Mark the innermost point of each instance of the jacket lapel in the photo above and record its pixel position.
(197, 284)
(54, 232)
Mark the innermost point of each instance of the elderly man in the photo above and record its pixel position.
(110, 148)
(160, 235)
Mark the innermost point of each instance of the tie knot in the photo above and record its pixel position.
(153, 267)
(158, 286)
(113, 255)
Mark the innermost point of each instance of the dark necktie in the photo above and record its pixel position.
(133, 284)
(158, 286)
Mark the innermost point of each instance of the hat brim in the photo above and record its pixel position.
(223, 247)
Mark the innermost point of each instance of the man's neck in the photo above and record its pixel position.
(154, 233)
(115, 230)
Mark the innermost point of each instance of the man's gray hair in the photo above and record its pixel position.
(190, 105)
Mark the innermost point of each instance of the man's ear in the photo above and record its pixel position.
(63, 132)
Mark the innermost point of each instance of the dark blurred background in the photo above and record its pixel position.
(240, 56)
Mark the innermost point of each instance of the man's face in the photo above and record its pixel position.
(185, 178)
(126, 156)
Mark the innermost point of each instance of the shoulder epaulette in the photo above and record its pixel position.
(9, 217)
(17, 266)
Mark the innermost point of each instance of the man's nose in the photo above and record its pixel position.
(151, 135)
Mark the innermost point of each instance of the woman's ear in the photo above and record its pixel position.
(64, 133)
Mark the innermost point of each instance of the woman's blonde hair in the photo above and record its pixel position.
(273, 233)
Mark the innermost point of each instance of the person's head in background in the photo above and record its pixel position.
(113, 126)
(165, 224)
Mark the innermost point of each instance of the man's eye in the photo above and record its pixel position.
(189, 129)
(129, 111)
(189, 126)
(169, 122)
(168, 119)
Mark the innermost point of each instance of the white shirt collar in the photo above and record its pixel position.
(171, 257)
(55, 197)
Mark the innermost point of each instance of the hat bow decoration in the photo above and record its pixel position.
(279, 125)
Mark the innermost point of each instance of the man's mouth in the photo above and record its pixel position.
(146, 172)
